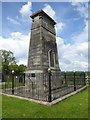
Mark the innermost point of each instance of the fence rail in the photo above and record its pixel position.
(48, 89)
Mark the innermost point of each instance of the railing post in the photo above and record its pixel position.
(74, 82)
(24, 79)
(5, 81)
(84, 79)
(49, 96)
(65, 78)
(13, 82)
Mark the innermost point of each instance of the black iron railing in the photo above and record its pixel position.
(47, 87)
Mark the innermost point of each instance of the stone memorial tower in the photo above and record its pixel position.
(42, 55)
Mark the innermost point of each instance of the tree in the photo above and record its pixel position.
(9, 63)
(21, 68)
(15, 68)
(7, 60)
(18, 69)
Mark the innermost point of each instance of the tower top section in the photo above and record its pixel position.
(42, 15)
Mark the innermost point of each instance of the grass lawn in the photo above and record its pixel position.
(9, 84)
(73, 107)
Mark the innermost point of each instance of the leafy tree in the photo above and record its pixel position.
(15, 68)
(9, 63)
(8, 57)
(18, 69)
(21, 68)
(7, 60)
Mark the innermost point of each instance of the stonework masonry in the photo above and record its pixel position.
(42, 55)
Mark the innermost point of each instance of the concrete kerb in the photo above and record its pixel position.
(47, 103)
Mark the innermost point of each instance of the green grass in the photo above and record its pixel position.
(73, 107)
(9, 84)
(0, 106)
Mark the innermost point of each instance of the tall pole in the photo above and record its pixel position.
(84, 82)
(13, 82)
(5, 81)
(65, 78)
(24, 78)
(74, 82)
(49, 96)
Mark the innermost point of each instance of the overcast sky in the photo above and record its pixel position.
(71, 31)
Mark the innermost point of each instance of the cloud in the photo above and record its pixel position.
(59, 27)
(76, 1)
(18, 44)
(83, 36)
(49, 10)
(26, 11)
(16, 35)
(72, 56)
(89, 21)
(82, 8)
(13, 21)
(23, 61)
(75, 56)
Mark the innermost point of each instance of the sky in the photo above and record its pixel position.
(71, 31)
